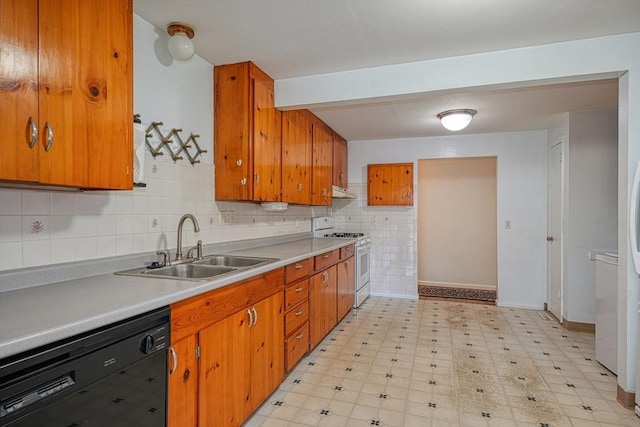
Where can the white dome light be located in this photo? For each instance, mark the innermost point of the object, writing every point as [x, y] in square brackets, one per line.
[180, 44]
[455, 120]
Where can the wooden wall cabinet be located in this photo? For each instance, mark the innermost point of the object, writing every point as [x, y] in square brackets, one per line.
[390, 184]
[322, 160]
[340, 161]
[297, 140]
[230, 354]
[247, 135]
[66, 92]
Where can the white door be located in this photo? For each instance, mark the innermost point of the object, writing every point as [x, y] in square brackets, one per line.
[554, 234]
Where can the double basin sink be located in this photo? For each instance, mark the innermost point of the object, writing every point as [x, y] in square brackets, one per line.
[206, 268]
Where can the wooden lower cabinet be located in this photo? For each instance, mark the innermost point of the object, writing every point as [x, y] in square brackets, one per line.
[346, 286]
[322, 304]
[241, 363]
[183, 383]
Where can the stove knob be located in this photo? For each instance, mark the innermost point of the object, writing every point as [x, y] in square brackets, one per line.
[147, 344]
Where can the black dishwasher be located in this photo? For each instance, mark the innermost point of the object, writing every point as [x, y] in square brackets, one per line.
[112, 376]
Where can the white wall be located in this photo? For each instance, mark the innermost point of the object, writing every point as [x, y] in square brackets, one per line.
[591, 221]
[46, 227]
[521, 199]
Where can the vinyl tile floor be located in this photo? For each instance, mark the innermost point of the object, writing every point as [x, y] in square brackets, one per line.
[405, 363]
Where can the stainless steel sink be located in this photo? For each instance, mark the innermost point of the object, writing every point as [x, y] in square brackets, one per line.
[234, 261]
[206, 268]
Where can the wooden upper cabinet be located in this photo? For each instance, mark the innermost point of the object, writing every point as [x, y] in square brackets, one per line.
[340, 165]
[247, 141]
[322, 170]
[67, 93]
[390, 184]
[297, 131]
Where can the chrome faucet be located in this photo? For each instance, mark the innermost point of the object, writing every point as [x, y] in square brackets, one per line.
[196, 228]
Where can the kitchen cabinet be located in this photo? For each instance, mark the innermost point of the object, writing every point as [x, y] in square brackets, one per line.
[323, 297]
[66, 86]
[296, 322]
[233, 336]
[390, 184]
[183, 383]
[346, 281]
[297, 140]
[242, 362]
[322, 159]
[247, 135]
[340, 161]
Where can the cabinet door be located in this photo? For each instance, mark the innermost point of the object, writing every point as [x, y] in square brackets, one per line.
[340, 161]
[346, 286]
[296, 157]
[266, 350]
[19, 90]
[390, 184]
[322, 304]
[86, 93]
[232, 134]
[183, 384]
[322, 173]
[224, 371]
[267, 147]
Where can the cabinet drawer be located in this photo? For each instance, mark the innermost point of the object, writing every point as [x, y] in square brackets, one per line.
[326, 260]
[297, 270]
[347, 251]
[296, 346]
[296, 317]
[296, 293]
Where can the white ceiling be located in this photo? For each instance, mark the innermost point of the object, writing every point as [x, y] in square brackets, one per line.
[288, 38]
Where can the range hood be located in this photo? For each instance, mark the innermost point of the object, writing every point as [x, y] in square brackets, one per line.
[342, 193]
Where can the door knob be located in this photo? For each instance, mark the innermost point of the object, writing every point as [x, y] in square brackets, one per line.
[549, 238]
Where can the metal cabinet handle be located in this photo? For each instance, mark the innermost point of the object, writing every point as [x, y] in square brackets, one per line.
[300, 335]
[299, 186]
[324, 192]
[298, 266]
[325, 256]
[174, 356]
[243, 181]
[250, 317]
[255, 316]
[298, 289]
[33, 138]
[325, 277]
[257, 178]
[239, 162]
[49, 129]
[299, 313]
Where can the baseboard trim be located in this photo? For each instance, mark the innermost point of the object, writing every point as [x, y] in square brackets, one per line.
[625, 398]
[458, 285]
[579, 326]
[390, 295]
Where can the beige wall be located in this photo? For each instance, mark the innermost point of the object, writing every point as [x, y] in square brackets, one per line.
[457, 211]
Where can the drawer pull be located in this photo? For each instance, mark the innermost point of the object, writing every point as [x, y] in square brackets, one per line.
[298, 289]
[299, 313]
[325, 256]
[299, 266]
[300, 335]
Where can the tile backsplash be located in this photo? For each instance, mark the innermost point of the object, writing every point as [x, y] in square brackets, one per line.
[49, 227]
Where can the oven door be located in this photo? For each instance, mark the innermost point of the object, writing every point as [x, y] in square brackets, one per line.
[363, 266]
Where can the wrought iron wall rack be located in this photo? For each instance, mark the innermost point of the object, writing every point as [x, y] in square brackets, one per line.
[165, 142]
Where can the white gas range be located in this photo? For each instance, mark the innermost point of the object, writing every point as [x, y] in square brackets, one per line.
[324, 226]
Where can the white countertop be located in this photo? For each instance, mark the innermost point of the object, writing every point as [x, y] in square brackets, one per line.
[40, 315]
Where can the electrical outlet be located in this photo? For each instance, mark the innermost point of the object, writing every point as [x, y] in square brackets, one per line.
[226, 217]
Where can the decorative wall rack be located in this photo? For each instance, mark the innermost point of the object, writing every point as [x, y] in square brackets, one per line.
[154, 133]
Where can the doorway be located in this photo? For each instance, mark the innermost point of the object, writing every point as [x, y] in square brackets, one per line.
[554, 234]
[457, 228]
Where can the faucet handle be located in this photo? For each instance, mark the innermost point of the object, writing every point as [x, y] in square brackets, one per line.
[166, 258]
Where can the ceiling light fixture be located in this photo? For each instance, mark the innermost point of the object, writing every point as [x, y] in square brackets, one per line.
[180, 44]
[455, 120]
